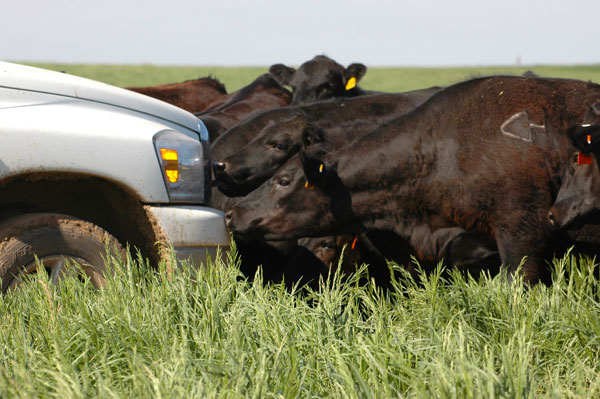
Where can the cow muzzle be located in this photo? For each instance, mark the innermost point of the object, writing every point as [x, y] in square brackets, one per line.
[560, 216]
[228, 219]
[237, 223]
[219, 167]
[551, 218]
[224, 182]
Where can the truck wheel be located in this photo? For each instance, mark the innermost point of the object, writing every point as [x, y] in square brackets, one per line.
[57, 240]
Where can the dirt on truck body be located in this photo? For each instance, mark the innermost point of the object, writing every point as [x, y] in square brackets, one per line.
[103, 203]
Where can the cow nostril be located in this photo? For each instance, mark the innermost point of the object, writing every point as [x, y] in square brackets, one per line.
[228, 215]
[551, 218]
[219, 166]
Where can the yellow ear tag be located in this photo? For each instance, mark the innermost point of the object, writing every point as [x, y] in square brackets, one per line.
[351, 83]
[309, 186]
[321, 168]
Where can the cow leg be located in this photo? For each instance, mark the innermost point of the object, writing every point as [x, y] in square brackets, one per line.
[519, 251]
[473, 252]
[459, 248]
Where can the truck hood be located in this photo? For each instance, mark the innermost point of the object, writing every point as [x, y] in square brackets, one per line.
[21, 77]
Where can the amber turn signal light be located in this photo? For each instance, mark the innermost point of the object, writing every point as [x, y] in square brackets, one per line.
[171, 163]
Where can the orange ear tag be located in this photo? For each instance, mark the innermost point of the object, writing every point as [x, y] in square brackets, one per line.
[354, 243]
[309, 186]
[583, 159]
[351, 83]
[589, 139]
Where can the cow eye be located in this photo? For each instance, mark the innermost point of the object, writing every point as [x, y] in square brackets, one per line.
[284, 182]
[329, 245]
[280, 146]
[324, 90]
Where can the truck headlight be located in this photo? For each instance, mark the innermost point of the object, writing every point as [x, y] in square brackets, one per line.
[182, 162]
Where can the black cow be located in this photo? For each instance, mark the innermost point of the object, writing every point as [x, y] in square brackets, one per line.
[263, 93]
[341, 120]
[192, 95]
[276, 137]
[485, 157]
[285, 126]
[273, 256]
[319, 79]
[466, 251]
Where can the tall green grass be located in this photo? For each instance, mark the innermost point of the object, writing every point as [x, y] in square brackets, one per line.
[377, 78]
[212, 334]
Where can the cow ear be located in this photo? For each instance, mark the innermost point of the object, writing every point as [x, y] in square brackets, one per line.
[312, 135]
[282, 74]
[586, 138]
[529, 74]
[317, 172]
[314, 147]
[353, 74]
[592, 115]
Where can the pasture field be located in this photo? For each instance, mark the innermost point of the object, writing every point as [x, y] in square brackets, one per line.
[212, 334]
[380, 79]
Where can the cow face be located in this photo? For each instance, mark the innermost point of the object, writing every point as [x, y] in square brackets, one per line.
[319, 79]
[289, 206]
[316, 257]
[329, 249]
[579, 195]
[248, 168]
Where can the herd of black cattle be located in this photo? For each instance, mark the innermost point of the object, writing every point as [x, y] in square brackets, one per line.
[500, 170]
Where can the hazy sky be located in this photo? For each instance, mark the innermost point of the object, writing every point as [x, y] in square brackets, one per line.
[264, 32]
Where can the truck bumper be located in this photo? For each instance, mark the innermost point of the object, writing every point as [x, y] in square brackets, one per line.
[195, 232]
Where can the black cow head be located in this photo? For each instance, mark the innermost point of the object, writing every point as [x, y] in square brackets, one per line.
[578, 198]
[316, 258]
[586, 138]
[251, 165]
[281, 208]
[330, 249]
[319, 79]
[291, 205]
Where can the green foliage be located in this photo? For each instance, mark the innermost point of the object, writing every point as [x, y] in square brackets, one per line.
[380, 79]
[208, 332]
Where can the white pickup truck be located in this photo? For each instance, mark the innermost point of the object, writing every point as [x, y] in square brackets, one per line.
[83, 164]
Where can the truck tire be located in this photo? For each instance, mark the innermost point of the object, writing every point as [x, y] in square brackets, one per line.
[56, 240]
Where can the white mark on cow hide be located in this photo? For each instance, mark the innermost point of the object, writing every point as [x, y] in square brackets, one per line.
[520, 127]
